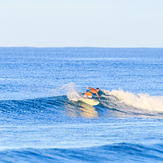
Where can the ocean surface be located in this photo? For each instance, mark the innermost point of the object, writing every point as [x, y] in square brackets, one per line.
[41, 119]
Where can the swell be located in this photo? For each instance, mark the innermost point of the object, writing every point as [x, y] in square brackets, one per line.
[121, 152]
[42, 110]
[32, 105]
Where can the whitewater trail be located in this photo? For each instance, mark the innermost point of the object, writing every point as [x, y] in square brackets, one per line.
[140, 101]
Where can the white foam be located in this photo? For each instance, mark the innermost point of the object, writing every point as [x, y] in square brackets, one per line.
[140, 101]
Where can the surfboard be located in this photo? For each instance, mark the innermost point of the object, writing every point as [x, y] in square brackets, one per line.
[89, 101]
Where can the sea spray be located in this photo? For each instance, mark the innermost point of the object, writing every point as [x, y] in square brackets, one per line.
[72, 93]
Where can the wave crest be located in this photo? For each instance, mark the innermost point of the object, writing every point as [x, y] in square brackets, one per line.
[140, 101]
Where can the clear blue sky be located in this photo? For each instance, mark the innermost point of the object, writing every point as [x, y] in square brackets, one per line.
[94, 23]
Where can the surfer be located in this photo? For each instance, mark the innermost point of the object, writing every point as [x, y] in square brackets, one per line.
[90, 91]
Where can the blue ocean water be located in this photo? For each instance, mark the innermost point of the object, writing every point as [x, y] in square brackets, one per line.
[41, 119]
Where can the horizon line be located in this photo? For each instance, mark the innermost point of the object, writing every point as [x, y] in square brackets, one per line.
[75, 47]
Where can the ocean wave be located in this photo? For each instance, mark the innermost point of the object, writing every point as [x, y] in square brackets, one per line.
[120, 152]
[113, 103]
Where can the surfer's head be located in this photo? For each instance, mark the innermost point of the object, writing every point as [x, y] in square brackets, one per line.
[97, 89]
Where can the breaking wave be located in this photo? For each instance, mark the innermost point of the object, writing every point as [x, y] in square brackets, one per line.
[139, 101]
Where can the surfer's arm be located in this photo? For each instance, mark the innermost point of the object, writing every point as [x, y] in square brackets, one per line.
[97, 95]
[90, 88]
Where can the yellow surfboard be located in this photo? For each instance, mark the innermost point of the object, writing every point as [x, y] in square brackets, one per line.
[89, 101]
